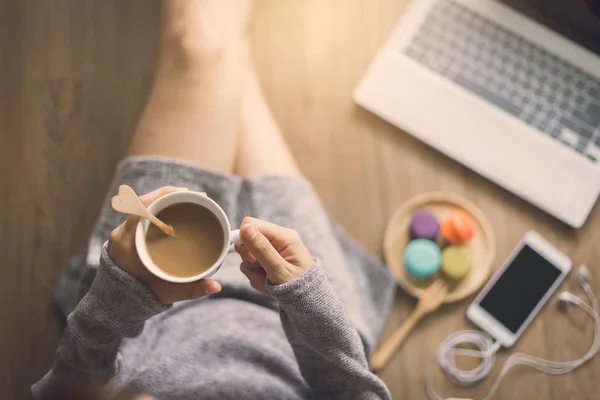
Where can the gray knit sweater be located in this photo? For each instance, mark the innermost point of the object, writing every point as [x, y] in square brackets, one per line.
[216, 348]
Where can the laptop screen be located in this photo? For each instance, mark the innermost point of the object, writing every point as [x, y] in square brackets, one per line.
[578, 20]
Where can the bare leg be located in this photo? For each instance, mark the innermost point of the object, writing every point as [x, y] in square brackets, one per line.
[193, 112]
[262, 148]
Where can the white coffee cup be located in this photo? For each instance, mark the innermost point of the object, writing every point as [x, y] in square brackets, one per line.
[229, 237]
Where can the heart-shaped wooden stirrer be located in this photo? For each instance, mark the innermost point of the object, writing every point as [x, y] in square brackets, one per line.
[128, 202]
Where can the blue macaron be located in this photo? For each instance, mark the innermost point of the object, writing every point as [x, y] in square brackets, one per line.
[422, 258]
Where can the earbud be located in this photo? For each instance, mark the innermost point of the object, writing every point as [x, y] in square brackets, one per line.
[449, 348]
[583, 278]
[583, 275]
[564, 299]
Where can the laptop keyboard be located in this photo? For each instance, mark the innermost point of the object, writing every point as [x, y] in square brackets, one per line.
[537, 87]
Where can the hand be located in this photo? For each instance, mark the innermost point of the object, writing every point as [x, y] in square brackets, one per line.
[269, 250]
[122, 250]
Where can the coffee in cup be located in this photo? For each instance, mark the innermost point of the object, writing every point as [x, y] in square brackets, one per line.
[203, 237]
[197, 243]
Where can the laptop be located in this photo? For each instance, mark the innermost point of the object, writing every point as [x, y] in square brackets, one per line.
[510, 89]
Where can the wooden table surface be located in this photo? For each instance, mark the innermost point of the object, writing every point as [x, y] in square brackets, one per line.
[74, 75]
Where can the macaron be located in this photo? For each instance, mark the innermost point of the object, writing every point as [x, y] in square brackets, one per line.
[424, 225]
[422, 258]
[457, 262]
[458, 227]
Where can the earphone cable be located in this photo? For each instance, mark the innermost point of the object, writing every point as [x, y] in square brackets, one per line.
[487, 348]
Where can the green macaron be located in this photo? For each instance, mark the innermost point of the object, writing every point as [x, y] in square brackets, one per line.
[457, 262]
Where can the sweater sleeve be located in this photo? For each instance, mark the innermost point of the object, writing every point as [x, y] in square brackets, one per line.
[326, 344]
[116, 307]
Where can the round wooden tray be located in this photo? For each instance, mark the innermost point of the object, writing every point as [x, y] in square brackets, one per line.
[483, 245]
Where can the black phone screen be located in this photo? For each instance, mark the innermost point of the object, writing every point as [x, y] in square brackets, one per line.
[520, 288]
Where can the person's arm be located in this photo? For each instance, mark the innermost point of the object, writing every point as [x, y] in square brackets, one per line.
[123, 296]
[326, 344]
[116, 307]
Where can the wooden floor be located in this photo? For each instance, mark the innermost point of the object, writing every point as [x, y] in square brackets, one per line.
[73, 78]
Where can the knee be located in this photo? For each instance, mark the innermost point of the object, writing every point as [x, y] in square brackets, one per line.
[186, 51]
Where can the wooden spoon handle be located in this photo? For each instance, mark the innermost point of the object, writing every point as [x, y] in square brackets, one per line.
[163, 227]
[389, 348]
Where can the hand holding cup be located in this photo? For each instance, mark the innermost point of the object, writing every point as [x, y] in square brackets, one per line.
[122, 250]
[273, 252]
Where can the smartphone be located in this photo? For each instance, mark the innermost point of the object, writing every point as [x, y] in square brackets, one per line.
[519, 289]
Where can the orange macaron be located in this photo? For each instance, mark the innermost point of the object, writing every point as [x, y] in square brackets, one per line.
[458, 227]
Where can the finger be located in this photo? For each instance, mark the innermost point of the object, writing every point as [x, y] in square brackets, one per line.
[245, 253]
[121, 239]
[116, 234]
[114, 238]
[151, 197]
[130, 225]
[144, 397]
[260, 247]
[199, 289]
[210, 286]
[279, 236]
[256, 276]
[174, 292]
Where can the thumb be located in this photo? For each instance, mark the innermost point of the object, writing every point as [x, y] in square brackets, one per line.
[260, 247]
[169, 293]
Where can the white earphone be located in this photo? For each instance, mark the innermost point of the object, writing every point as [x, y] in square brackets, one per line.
[487, 348]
